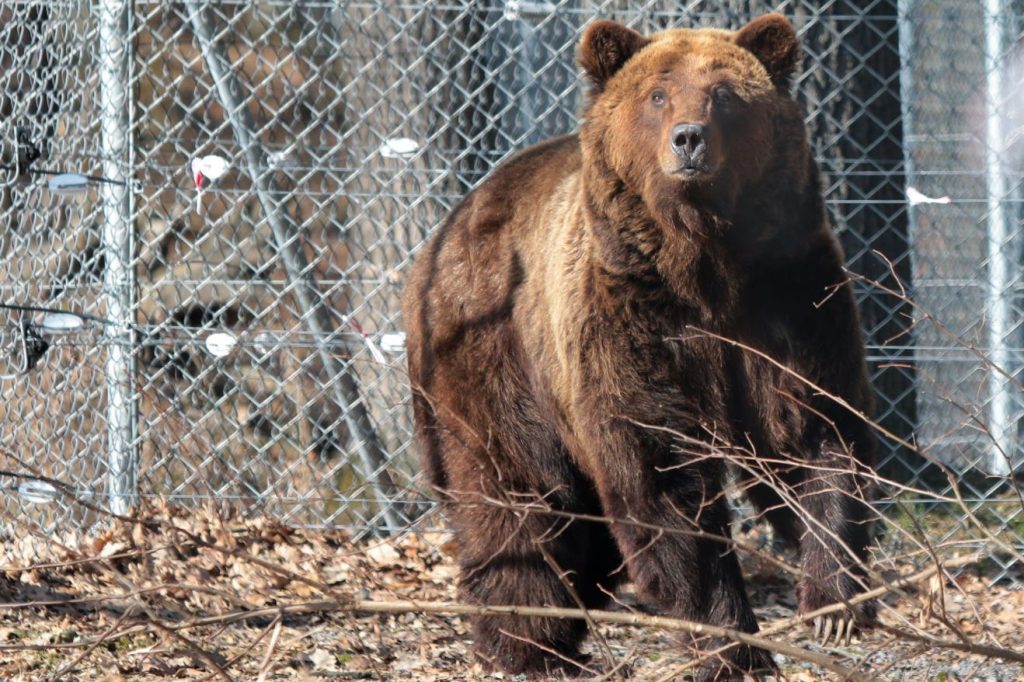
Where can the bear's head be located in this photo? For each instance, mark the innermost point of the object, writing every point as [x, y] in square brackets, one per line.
[688, 112]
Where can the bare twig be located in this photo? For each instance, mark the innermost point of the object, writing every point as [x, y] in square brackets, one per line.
[73, 663]
[265, 664]
[193, 649]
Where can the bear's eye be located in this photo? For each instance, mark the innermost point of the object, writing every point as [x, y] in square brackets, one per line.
[723, 97]
[659, 99]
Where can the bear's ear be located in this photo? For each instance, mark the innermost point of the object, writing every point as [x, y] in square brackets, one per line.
[606, 47]
[772, 39]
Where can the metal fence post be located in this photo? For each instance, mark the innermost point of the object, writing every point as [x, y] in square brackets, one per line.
[116, 242]
[998, 308]
[904, 11]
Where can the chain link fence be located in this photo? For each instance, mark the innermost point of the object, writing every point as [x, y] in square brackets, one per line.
[237, 338]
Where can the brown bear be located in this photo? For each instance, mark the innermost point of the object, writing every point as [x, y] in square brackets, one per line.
[611, 317]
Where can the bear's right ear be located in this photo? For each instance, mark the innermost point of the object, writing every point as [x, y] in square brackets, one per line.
[606, 47]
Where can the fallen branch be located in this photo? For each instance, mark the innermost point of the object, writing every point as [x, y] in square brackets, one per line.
[967, 647]
[456, 609]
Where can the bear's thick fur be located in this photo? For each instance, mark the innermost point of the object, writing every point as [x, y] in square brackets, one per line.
[609, 316]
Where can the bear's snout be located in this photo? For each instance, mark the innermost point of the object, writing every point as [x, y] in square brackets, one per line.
[689, 142]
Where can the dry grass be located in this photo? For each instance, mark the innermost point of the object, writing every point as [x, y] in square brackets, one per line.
[173, 595]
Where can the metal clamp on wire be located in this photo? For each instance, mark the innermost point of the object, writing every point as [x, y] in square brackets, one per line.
[28, 151]
[17, 155]
[26, 350]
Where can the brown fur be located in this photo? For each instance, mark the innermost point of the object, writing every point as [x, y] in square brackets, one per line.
[554, 358]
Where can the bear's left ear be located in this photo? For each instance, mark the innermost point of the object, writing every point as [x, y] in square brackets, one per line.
[772, 39]
[606, 46]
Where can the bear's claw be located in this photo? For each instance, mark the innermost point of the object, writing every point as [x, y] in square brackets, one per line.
[838, 629]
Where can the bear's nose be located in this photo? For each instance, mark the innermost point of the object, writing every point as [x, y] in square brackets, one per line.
[689, 141]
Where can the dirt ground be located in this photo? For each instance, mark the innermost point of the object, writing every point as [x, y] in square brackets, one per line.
[192, 596]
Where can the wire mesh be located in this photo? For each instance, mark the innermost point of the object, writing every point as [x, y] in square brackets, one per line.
[260, 360]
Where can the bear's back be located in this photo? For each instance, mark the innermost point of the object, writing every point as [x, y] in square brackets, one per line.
[474, 264]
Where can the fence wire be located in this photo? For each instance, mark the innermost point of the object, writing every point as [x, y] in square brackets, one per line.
[240, 342]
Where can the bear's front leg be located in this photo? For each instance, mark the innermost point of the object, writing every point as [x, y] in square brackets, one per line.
[670, 520]
[837, 518]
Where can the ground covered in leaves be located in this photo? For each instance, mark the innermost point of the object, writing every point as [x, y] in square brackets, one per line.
[193, 596]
